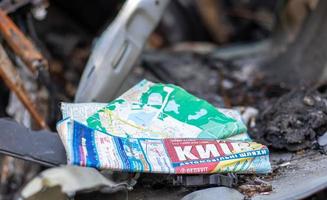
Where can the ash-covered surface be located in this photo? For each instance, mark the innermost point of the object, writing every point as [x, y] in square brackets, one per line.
[301, 176]
[294, 121]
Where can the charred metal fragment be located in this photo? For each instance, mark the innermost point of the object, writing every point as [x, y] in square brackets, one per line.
[11, 78]
[21, 45]
[24, 48]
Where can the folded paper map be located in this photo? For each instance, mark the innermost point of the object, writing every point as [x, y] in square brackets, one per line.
[159, 128]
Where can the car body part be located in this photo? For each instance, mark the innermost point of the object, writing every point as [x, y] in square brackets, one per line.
[228, 180]
[43, 147]
[117, 50]
[304, 176]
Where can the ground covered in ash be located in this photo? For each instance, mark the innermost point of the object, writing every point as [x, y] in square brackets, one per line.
[294, 121]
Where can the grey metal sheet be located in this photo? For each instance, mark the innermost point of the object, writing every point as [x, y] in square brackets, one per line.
[42, 147]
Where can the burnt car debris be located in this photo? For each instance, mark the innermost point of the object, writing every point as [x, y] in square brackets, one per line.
[159, 99]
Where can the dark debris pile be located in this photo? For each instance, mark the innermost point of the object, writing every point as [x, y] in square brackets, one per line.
[294, 121]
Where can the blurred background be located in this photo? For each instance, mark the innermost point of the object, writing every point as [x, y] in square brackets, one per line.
[229, 52]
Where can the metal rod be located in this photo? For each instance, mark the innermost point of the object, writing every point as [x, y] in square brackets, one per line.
[12, 79]
[20, 44]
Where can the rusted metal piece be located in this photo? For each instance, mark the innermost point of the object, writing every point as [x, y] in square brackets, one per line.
[21, 45]
[12, 79]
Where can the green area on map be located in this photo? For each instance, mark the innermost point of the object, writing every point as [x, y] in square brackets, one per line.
[150, 110]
